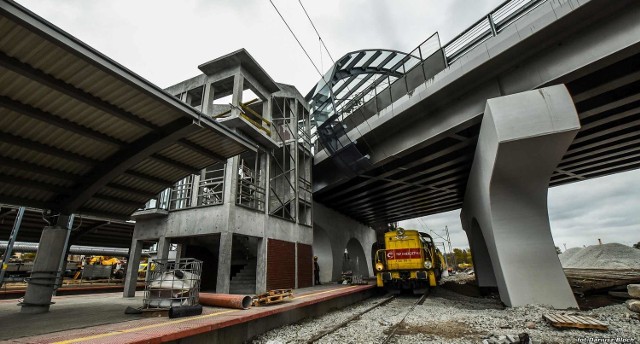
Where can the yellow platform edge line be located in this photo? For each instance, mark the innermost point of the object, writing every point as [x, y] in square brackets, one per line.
[113, 333]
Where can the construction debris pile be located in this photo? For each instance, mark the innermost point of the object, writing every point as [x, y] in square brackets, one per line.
[634, 303]
[606, 256]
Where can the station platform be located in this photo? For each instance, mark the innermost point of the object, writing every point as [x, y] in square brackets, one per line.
[72, 289]
[101, 319]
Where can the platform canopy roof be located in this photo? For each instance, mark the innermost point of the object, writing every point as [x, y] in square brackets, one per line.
[79, 133]
[86, 230]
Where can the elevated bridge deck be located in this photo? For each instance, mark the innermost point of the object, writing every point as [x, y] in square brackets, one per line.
[419, 147]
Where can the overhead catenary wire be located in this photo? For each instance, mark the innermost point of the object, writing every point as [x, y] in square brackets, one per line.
[316, 30]
[296, 38]
[322, 76]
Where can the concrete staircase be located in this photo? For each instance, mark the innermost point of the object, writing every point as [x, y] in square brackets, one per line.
[244, 282]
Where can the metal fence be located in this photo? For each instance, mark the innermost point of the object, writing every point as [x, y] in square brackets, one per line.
[388, 89]
[487, 27]
[211, 188]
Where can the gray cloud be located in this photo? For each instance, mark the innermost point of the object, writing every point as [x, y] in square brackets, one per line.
[164, 41]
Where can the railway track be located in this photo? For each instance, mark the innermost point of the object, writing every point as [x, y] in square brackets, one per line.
[395, 327]
[391, 331]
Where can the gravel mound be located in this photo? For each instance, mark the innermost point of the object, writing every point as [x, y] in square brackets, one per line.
[566, 255]
[607, 256]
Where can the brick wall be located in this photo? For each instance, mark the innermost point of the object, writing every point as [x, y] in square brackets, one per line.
[305, 265]
[280, 264]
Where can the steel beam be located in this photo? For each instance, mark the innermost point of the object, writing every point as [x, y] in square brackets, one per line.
[56, 121]
[117, 200]
[37, 75]
[32, 184]
[173, 163]
[128, 189]
[401, 169]
[79, 233]
[118, 163]
[46, 149]
[147, 178]
[37, 169]
[201, 150]
[12, 240]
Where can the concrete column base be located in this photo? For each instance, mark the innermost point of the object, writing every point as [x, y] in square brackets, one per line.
[37, 298]
[522, 139]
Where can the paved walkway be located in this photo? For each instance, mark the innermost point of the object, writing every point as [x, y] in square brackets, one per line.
[101, 318]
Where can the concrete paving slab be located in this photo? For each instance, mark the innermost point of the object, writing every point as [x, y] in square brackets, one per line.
[101, 318]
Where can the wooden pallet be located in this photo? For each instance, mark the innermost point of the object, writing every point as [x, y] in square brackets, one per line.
[575, 321]
[272, 296]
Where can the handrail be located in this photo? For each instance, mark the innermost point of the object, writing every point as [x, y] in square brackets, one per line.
[488, 26]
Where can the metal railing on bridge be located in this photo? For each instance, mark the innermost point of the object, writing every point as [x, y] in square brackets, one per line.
[487, 27]
[366, 99]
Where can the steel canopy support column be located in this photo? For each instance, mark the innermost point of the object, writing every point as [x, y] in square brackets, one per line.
[12, 240]
[522, 139]
[37, 298]
[131, 279]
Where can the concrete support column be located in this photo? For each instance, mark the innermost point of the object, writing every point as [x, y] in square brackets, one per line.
[267, 180]
[207, 99]
[481, 260]
[179, 248]
[266, 109]
[195, 189]
[224, 263]
[37, 298]
[231, 180]
[131, 279]
[261, 266]
[522, 139]
[236, 97]
[164, 245]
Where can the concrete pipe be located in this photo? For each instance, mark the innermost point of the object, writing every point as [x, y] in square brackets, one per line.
[225, 300]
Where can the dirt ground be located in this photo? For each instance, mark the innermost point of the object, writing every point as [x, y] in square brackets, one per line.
[590, 287]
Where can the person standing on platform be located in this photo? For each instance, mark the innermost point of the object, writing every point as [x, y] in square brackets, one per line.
[316, 271]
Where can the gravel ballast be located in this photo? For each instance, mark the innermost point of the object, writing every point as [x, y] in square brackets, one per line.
[450, 318]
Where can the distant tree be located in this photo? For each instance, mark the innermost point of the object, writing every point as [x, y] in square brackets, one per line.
[460, 255]
[558, 250]
[637, 245]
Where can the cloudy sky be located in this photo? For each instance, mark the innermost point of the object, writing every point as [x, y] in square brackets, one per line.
[165, 41]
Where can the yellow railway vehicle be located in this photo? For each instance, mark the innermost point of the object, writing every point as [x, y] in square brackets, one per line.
[409, 261]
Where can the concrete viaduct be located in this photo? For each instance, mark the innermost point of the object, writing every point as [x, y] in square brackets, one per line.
[520, 102]
[536, 94]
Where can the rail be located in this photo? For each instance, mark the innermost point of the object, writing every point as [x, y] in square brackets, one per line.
[211, 190]
[181, 194]
[489, 26]
[250, 194]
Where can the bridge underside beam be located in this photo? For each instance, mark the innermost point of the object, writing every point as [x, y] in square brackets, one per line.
[522, 139]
